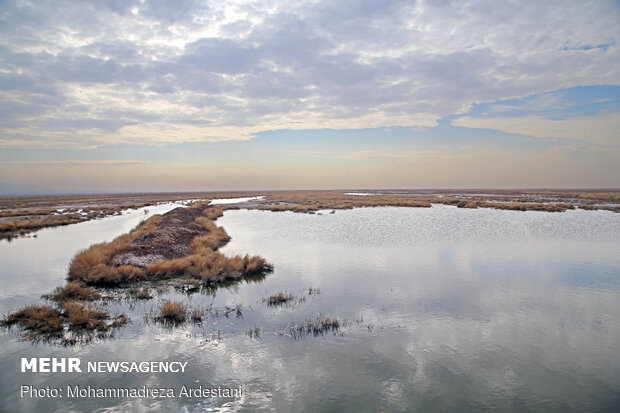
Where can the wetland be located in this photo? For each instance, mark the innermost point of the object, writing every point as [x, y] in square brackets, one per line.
[390, 308]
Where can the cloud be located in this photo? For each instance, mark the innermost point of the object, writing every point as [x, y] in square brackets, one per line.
[94, 73]
[594, 129]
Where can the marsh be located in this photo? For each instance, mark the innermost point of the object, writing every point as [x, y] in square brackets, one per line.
[438, 308]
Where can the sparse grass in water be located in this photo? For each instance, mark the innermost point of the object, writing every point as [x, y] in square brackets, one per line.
[279, 299]
[317, 327]
[197, 316]
[314, 291]
[254, 332]
[236, 309]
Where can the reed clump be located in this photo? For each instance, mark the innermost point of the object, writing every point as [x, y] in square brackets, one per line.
[72, 322]
[215, 238]
[39, 321]
[172, 312]
[214, 213]
[209, 266]
[71, 291]
[83, 317]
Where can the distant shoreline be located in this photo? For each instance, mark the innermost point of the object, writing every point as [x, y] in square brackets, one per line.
[24, 214]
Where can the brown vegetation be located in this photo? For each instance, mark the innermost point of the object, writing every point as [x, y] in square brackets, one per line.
[181, 243]
[73, 291]
[38, 321]
[103, 200]
[184, 242]
[172, 312]
[92, 264]
[543, 200]
[209, 266]
[214, 238]
[308, 202]
[25, 221]
[73, 322]
[89, 206]
[12, 227]
[82, 316]
[140, 293]
[24, 214]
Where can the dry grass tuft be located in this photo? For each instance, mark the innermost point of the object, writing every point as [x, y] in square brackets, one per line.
[74, 322]
[214, 213]
[172, 312]
[73, 291]
[42, 321]
[130, 272]
[209, 266]
[215, 237]
[168, 268]
[91, 264]
[82, 316]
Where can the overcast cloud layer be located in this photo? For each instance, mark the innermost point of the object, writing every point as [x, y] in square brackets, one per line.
[83, 74]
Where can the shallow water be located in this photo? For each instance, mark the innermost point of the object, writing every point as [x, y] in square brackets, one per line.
[441, 309]
[38, 263]
[222, 201]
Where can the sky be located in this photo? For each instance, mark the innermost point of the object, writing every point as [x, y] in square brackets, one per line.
[183, 95]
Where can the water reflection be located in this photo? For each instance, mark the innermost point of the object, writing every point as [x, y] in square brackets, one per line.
[439, 309]
[223, 201]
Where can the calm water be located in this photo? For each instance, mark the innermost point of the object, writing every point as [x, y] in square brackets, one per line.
[442, 309]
